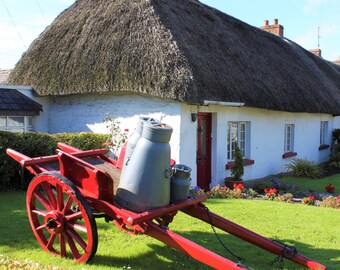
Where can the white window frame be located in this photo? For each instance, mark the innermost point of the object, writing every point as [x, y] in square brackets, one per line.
[26, 127]
[238, 133]
[324, 133]
[289, 138]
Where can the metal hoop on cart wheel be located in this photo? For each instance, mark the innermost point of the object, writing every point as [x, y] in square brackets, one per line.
[60, 217]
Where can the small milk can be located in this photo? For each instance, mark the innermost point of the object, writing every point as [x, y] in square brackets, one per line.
[145, 179]
[180, 182]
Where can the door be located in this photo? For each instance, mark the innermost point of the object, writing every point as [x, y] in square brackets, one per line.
[203, 155]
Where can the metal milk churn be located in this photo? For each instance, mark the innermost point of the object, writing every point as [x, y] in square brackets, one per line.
[145, 179]
[180, 182]
[132, 141]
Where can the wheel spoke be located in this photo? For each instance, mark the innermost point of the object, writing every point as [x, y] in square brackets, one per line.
[77, 237]
[73, 247]
[39, 212]
[50, 195]
[78, 227]
[74, 216]
[42, 200]
[51, 241]
[60, 197]
[62, 245]
[41, 227]
[68, 205]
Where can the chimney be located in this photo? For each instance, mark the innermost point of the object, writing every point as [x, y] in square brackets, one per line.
[275, 28]
[317, 52]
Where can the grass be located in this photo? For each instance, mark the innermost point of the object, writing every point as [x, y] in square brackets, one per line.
[316, 185]
[314, 231]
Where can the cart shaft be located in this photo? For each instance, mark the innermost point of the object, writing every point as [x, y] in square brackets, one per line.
[201, 212]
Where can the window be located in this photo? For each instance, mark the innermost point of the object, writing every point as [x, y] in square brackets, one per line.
[16, 123]
[323, 132]
[238, 134]
[289, 138]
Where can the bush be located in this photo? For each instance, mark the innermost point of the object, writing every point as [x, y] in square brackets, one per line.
[83, 140]
[237, 170]
[32, 144]
[304, 168]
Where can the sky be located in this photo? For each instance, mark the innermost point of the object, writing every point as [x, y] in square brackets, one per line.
[306, 22]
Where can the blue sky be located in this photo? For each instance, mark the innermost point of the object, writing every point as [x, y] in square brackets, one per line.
[21, 21]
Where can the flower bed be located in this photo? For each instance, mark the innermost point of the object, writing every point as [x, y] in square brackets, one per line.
[278, 191]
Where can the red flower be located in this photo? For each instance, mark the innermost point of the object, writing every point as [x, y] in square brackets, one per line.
[311, 198]
[238, 186]
[338, 199]
[329, 188]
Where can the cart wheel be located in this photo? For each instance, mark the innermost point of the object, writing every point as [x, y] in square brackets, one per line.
[61, 218]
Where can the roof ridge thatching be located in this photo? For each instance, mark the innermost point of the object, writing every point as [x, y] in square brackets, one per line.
[177, 49]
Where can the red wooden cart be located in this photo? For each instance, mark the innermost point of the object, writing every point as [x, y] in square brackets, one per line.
[74, 187]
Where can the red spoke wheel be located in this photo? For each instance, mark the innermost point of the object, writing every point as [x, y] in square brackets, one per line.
[61, 218]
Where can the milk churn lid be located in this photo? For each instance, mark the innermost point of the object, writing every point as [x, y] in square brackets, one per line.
[141, 121]
[157, 132]
[182, 168]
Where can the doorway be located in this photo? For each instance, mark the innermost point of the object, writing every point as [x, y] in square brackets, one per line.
[203, 153]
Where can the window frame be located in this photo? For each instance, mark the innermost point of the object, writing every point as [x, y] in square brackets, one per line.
[289, 136]
[323, 133]
[242, 131]
[26, 127]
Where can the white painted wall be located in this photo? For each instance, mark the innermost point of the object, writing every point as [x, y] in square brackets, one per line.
[87, 113]
[267, 139]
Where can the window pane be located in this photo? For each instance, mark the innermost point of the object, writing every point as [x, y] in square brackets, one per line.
[30, 121]
[228, 142]
[3, 121]
[237, 137]
[289, 138]
[323, 132]
[16, 121]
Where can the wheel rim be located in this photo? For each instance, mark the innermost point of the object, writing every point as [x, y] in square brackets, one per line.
[61, 218]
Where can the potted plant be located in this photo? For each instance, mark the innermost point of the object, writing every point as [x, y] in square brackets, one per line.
[236, 171]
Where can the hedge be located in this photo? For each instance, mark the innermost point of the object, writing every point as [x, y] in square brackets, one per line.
[32, 144]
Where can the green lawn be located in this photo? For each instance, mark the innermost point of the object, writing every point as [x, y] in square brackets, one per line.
[317, 185]
[314, 231]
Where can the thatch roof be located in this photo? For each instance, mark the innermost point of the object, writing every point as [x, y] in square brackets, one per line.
[177, 49]
[4, 73]
[12, 102]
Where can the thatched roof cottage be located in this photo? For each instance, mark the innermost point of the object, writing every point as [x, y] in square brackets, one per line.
[182, 60]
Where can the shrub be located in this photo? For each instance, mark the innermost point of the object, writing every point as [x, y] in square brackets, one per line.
[32, 144]
[304, 168]
[83, 140]
[237, 170]
[336, 136]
